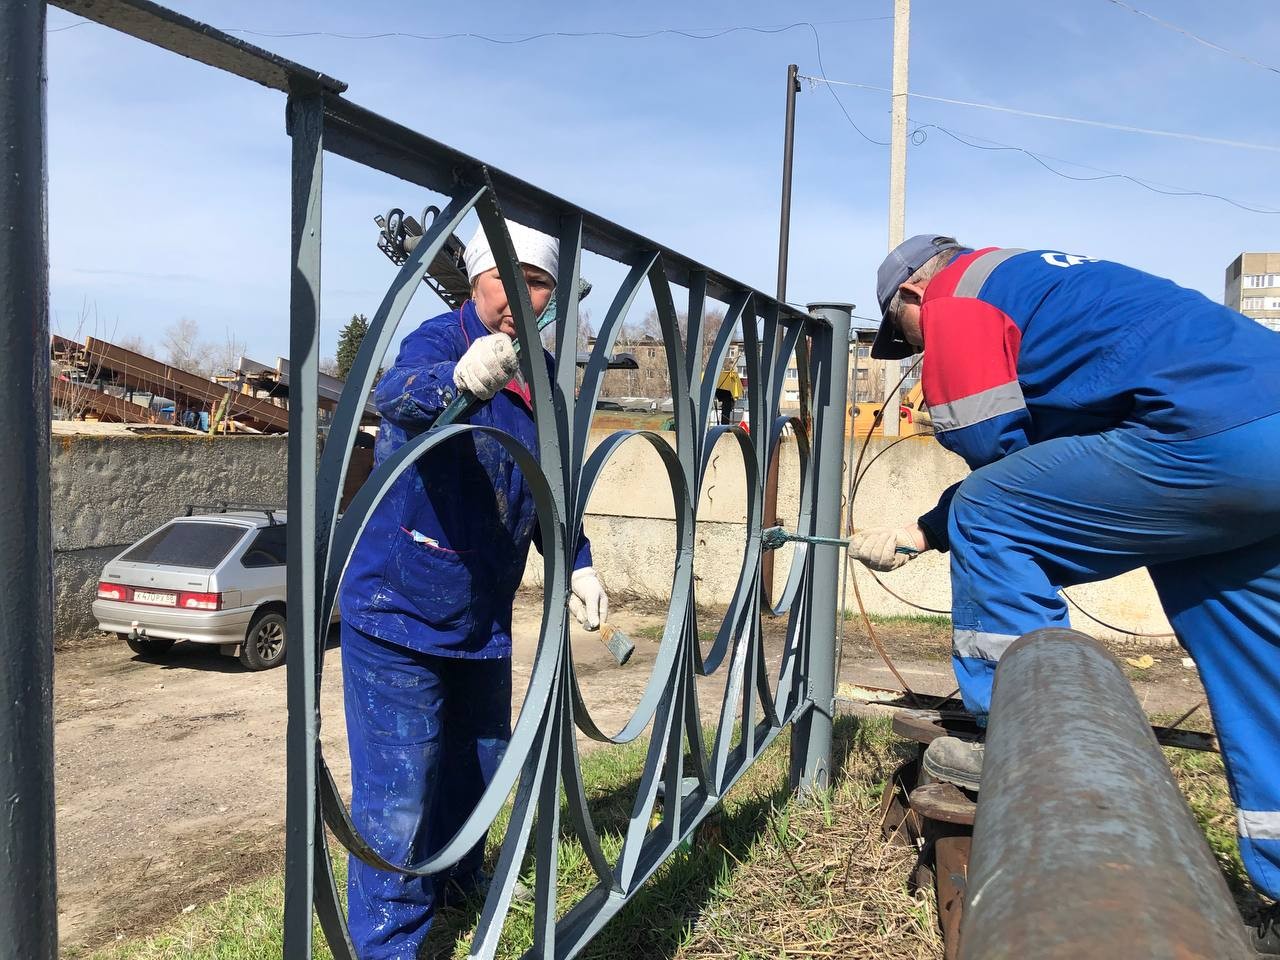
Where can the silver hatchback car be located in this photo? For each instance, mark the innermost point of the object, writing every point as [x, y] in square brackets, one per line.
[213, 577]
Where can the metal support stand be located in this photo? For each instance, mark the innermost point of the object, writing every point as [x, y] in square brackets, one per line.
[811, 734]
[28, 901]
[306, 125]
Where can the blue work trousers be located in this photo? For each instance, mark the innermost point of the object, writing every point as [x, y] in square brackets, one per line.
[426, 734]
[1202, 515]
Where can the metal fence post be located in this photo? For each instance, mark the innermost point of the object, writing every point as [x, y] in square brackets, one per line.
[811, 735]
[306, 126]
[28, 901]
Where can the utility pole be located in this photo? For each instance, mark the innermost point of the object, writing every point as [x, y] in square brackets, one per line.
[897, 182]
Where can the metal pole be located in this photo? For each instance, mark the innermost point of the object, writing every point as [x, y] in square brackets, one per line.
[28, 897]
[811, 735]
[1083, 846]
[788, 147]
[802, 374]
[306, 125]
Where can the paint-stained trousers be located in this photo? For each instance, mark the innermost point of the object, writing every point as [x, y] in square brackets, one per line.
[1202, 515]
[426, 734]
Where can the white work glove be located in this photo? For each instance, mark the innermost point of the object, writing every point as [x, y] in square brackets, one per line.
[588, 603]
[878, 547]
[487, 366]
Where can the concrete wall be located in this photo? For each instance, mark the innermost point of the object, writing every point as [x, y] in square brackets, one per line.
[111, 486]
[630, 522]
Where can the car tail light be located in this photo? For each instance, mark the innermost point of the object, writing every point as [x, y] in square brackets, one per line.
[200, 601]
[114, 591]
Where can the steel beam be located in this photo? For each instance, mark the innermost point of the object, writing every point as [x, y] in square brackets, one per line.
[190, 38]
[28, 902]
[811, 734]
[1083, 846]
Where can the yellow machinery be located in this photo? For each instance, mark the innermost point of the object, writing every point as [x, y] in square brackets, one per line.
[913, 416]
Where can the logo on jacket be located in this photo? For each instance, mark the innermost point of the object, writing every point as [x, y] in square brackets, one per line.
[1066, 259]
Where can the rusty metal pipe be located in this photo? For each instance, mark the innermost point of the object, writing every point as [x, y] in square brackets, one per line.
[1083, 846]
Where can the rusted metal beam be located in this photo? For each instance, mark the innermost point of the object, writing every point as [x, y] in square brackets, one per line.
[142, 372]
[75, 397]
[1083, 846]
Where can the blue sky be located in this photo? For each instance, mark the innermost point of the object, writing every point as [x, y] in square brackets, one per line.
[169, 182]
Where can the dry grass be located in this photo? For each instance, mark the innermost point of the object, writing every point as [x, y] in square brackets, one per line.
[768, 876]
[819, 880]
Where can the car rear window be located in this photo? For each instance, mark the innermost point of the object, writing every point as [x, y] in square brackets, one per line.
[188, 544]
[268, 547]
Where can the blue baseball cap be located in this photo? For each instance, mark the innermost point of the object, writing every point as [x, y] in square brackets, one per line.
[903, 260]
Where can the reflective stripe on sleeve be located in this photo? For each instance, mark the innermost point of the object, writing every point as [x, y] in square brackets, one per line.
[977, 407]
[1259, 824]
[977, 645]
[977, 272]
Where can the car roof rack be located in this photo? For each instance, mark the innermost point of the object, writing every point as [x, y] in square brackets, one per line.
[222, 506]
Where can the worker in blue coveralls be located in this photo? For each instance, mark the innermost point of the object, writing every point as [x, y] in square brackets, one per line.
[427, 600]
[1112, 420]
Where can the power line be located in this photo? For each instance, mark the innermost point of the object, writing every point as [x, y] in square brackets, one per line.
[817, 45]
[506, 39]
[1154, 186]
[1000, 108]
[919, 135]
[1244, 57]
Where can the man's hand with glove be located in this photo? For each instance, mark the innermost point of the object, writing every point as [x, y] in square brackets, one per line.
[588, 603]
[878, 547]
[487, 366]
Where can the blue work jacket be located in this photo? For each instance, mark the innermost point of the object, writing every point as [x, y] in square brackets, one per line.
[1028, 345]
[439, 562]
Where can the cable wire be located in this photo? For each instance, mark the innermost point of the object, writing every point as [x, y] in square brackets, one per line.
[1062, 118]
[919, 135]
[511, 39]
[1244, 57]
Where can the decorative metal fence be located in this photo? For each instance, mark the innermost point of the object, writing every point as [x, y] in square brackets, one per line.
[542, 763]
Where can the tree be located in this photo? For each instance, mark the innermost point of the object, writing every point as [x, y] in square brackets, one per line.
[349, 340]
[181, 344]
[185, 350]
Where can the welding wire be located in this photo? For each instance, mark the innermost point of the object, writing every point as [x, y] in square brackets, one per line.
[857, 592]
[1103, 623]
[885, 587]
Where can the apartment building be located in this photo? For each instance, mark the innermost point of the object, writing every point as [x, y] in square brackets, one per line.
[1253, 287]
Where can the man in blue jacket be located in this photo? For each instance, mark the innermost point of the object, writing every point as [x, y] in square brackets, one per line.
[1112, 420]
[427, 599]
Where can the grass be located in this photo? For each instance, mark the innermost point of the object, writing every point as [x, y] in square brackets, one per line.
[767, 876]
[930, 620]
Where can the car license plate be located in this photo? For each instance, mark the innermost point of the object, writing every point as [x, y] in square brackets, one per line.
[156, 597]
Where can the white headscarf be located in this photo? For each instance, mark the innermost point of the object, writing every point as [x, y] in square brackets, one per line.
[532, 248]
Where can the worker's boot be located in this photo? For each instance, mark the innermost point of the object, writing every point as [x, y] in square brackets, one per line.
[955, 761]
[1264, 933]
[475, 886]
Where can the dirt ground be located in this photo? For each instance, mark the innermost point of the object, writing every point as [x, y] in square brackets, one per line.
[171, 775]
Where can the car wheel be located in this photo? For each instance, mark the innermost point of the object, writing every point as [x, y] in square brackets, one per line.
[264, 643]
[147, 646]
